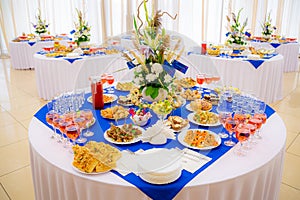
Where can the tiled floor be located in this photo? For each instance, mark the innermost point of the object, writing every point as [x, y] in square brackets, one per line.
[19, 101]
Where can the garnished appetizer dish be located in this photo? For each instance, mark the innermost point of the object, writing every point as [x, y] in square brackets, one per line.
[116, 112]
[126, 133]
[177, 123]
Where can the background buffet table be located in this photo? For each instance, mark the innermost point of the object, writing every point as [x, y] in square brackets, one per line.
[57, 75]
[289, 51]
[265, 82]
[255, 176]
[21, 53]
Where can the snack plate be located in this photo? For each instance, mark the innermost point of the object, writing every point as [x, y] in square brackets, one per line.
[182, 129]
[181, 136]
[135, 140]
[123, 83]
[191, 119]
[90, 100]
[92, 173]
[189, 85]
[188, 107]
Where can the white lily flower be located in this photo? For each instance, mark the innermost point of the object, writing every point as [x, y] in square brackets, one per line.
[157, 68]
[168, 78]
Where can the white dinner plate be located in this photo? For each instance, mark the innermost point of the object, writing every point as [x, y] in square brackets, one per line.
[135, 140]
[92, 173]
[190, 117]
[115, 97]
[188, 107]
[183, 134]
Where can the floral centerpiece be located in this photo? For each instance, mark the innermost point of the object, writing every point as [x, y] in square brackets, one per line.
[237, 34]
[41, 25]
[152, 59]
[82, 33]
[267, 28]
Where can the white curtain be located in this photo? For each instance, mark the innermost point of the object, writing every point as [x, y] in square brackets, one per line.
[200, 20]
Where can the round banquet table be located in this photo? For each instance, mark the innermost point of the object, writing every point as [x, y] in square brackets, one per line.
[255, 176]
[21, 53]
[290, 52]
[57, 75]
[264, 82]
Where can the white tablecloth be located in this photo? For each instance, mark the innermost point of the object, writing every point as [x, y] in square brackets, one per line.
[264, 82]
[256, 176]
[56, 75]
[21, 53]
[290, 52]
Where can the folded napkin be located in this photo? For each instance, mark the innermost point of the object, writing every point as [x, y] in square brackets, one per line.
[190, 160]
[31, 43]
[71, 60]
[256, 63]
[275, 45]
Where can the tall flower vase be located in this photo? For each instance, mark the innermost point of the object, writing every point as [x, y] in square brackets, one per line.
[162, 95]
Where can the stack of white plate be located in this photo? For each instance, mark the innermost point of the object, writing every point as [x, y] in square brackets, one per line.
[155, 170]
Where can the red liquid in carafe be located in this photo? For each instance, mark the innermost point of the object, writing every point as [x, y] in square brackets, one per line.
[97, 95]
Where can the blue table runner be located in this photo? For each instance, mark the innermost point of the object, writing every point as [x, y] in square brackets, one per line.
[157, 192]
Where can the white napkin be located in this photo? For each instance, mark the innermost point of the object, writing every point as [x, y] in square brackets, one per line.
[158, 134]
[190, 161]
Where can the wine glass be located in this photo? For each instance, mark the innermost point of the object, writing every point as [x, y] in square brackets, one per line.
[89, 117]
[222, 117]
[110, 80]
[242, 135]
[72, 132]
[49, 118]
[81, 123]
[63, 123]
[230, 126]
[200, 80]
[55, 124]
[258, 123]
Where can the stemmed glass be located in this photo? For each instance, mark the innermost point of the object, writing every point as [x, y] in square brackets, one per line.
[110, 80]
[63, 123]
[56, 126]
[258, 123]
[81, 123]
[230, 126]
[50, 116]
[200, 80]
[222, 117]
[242, 135]
[88, 115]
[72, 132]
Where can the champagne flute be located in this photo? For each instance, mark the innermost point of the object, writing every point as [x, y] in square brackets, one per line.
[230, 126]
